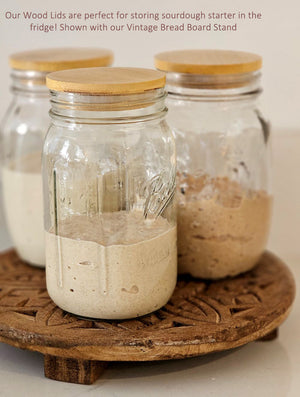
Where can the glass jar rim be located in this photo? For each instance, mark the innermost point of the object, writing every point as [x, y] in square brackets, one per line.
[90, 102]
[29, 82]
[213, 86]
[212, 81]
[107, 109]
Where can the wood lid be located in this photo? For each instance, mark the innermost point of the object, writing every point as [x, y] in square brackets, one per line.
[105, 81]
[52, 59]
[210, 62]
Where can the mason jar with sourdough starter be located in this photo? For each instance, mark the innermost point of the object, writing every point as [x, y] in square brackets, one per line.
[22, 135]
[223, 153]
[109, 181]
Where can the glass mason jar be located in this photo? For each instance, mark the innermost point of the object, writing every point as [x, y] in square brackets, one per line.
[109, 180]
[22, 136]
[223, 160]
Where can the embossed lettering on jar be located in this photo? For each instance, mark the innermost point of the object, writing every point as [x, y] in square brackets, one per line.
[22, 135]
[223, 153]
[109, 181]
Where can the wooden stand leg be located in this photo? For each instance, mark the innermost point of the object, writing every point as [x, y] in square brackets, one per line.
[71, 370]
[271, 336]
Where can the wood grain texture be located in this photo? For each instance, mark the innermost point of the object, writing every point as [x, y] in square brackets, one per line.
[269, 337]
[71, 370]
[52, 59]
[211, 62]
[106, 81]
[200, 318]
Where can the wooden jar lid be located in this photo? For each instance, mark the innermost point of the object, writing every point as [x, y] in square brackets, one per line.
[106, 81]
[208, 62]
[52, 59]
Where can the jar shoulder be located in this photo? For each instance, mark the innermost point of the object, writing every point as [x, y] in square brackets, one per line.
[201, 117]
[26, 115]
[95, 136]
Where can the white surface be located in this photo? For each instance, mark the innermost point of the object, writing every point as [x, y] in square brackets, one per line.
[258, 369]
[276, 37]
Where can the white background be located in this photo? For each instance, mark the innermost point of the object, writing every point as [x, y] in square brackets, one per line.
[276, 38]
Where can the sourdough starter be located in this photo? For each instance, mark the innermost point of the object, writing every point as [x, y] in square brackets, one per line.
[23, 204]
[222, 229]
[115, 265]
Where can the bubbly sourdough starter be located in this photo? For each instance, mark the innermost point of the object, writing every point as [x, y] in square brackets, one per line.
[222, 231]
[23, 204]
[115, 266]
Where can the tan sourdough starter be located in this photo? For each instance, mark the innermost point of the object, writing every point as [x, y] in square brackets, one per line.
[23, 204]
[222, 231]
[112, 266]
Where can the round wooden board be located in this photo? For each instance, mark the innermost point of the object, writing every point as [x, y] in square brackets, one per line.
[201, 317]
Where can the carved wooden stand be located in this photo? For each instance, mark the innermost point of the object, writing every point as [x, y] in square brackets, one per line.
[201, 317]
